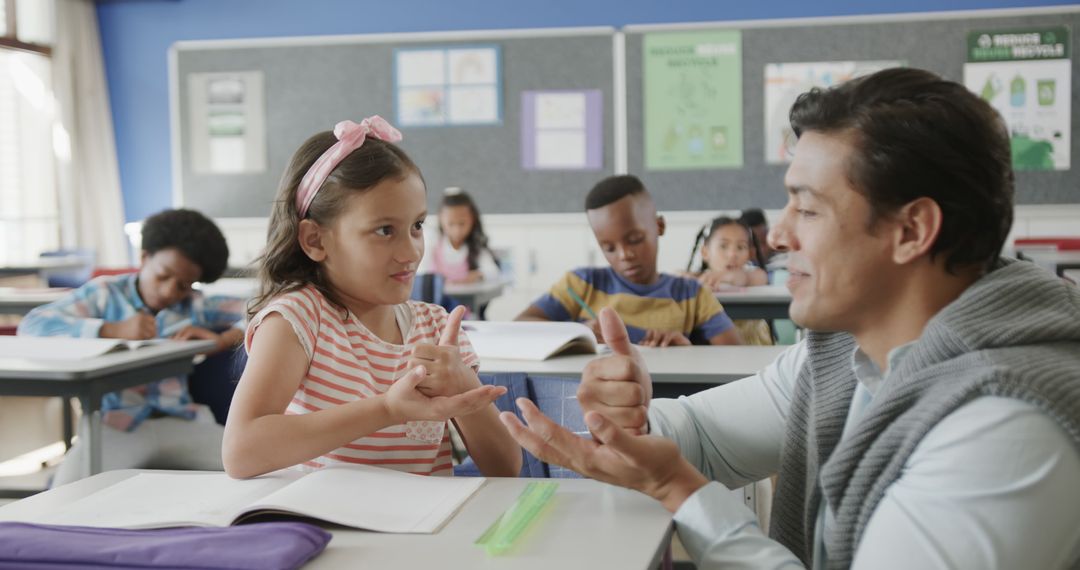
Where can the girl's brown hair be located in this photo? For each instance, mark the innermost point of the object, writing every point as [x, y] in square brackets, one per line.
[283, 266]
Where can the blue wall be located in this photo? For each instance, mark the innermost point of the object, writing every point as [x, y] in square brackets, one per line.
[136, 35]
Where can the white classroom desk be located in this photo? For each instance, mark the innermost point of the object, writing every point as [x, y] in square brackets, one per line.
[587, 525]
[91, 378]
[19, 300]
[675, 370]
[475, 295]
[761, 302]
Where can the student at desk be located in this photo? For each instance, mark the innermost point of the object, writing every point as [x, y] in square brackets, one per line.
[931, 419]
[155, 425]
[461, 253]
[726, 254]
[659, 309]
[342, 367]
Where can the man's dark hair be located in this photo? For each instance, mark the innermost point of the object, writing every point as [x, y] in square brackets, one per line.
[917, 135]
[195, 235]
[612, 189]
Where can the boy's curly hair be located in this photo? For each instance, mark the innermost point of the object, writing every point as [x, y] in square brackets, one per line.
[195, 235]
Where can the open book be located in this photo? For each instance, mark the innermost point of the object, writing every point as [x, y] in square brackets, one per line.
[359, 496]
[529, 340]
[66, 348]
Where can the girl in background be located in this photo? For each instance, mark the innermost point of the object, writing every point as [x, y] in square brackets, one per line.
[342, 366]
[726, 257]
[461, 253]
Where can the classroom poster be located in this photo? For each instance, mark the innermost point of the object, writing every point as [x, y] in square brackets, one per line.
[448, 86]
[693, 100]
[1027, 76]
[562, 130]
[228, 122]
[784, 82]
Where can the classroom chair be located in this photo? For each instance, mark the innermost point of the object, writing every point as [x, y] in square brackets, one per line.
[73, 277]
[428, 287]
[213, 381]
[555, 397]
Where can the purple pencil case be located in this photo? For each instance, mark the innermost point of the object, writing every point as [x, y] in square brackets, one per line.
[256, 546]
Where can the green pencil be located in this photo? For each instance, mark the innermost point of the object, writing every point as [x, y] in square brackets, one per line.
[581, 302]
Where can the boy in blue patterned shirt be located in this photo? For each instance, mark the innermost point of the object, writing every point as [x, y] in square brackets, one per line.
[658, 309]
[155, 425]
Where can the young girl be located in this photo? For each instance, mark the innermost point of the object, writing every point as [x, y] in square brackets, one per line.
[725, 262]
[461, 254]
[342, 368]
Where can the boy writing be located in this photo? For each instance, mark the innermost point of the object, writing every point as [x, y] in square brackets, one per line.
[658, 309]
[155, 425]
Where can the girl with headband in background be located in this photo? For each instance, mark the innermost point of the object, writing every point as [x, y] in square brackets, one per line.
[342, 367]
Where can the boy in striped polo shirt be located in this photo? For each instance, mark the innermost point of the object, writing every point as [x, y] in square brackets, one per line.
[658, 309]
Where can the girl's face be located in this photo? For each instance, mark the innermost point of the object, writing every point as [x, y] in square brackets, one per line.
[372, 249]
[456, 223]
[727, 248]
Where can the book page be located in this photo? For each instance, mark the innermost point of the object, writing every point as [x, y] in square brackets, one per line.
[65, 348]
[157, 500]
[528, 340]
[373, 498]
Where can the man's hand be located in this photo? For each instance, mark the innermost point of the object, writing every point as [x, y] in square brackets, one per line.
[140, 326]
[618, 387]
[650, 464]
[447, 374]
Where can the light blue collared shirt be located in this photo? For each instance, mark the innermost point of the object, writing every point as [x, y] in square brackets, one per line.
[990, 486]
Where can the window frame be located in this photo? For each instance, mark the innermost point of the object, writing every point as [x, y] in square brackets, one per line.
[10, 39]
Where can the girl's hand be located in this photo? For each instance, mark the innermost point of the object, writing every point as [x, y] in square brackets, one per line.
[405, 402]
[474, 276]
[718, 279]
[447, 374]
[664, 338]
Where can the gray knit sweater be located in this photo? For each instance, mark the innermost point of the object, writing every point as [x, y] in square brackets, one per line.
[1014, 333]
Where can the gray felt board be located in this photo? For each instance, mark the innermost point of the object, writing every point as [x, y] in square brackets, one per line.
[309, 87]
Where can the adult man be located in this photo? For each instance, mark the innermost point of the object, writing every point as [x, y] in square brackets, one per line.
[932, 417]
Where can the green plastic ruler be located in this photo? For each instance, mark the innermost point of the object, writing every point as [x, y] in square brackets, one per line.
[500, 536]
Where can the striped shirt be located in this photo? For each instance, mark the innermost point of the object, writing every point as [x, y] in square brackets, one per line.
[116, 298]
[670, 304]
[348, 362]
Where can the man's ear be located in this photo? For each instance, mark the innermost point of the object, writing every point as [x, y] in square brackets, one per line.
[918, 224]
[310, 238]
[661, 225]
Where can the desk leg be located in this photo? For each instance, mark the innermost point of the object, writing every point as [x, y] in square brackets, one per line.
[69, 427]
[91, 428]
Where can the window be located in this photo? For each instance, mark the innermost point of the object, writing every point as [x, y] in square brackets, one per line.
[29, 213]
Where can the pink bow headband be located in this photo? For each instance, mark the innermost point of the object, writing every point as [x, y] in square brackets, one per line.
[350, 137]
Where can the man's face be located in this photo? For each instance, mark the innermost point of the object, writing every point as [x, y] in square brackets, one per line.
[841, 272]
[628, 231]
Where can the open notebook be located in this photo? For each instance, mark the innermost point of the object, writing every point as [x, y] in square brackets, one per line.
[529, 340]
[358, 496]
[66, 348]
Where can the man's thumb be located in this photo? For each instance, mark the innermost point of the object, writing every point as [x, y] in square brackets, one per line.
[615, 332]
